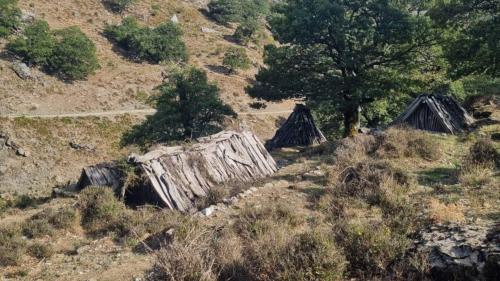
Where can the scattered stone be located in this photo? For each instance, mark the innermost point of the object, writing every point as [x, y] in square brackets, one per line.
[78, 146]
[174, 19]
[22, 152]
[207, 212]
[470, 252]
[22, 70]
[207, 30]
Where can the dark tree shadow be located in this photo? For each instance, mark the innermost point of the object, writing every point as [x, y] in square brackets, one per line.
[446, 176]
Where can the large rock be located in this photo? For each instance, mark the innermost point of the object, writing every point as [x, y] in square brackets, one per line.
[22, 70]
[462, 252]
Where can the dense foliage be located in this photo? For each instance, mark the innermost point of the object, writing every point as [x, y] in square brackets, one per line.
[9, 16]
[236, 58]
[188, 107]
[246, 31]
[347, 54]
[161, 43]
[472, 33]
[67, 53]
[226, 11]
[117, 5]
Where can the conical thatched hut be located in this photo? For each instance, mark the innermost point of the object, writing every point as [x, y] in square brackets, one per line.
[298, 130]
[175, 177]
[436, 113]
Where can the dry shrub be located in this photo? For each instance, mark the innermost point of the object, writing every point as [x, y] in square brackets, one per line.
[100, 209]
[215, 195]
[445, 213]
[370, 248]
[188, 257]
[406, 142]
[37, 227]
[41, 250]
[308, 256]
[12, 246]
[475, 175]
[483, 153]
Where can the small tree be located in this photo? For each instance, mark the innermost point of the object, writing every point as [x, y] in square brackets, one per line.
[246, 31]
[37, 44]
[74, 56]
[9, 17]
[188, 107]
[236, 58]
[155, 45]
[117, 6]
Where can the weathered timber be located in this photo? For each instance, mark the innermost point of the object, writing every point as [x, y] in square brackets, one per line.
[179, 175]
[436, 113]
[104, 174]
[298, 130]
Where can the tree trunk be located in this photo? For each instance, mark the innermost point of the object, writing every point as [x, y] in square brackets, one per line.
[351, 121]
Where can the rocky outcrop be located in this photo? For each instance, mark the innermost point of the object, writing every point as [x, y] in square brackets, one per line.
[462, 252]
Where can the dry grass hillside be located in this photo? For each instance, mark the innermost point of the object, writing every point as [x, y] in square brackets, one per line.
[120, 83]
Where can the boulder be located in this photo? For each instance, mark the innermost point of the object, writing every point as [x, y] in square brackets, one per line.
[22, 70]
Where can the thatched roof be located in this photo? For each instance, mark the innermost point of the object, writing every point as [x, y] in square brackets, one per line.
[179, 175]
[436, 113]
[298, 130]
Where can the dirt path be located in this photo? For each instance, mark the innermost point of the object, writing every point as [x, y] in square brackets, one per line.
[122, 112]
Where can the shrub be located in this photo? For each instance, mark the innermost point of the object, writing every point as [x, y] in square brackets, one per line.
[67, 53]
[188, 107]
[226, 11]
[483, 152]
[162, 43]
[214, 196]
[41, 250]
[74, 56]
[25, 201]
[100, 209]
[12, 246]
[245, 32]
[307, 257]
[63, 218]
[236, 58]
[36, 45]
[370, 248]
[9, 17]
[37, 227]
[117, 5]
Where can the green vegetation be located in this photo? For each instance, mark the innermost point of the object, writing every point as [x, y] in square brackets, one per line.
[336, 54]
[48, 221]
[10, 15]
[236, 58]
[188, 107]
[245, 32]
[117, 6]
[162, 43]
[226, 11]
[66, 53]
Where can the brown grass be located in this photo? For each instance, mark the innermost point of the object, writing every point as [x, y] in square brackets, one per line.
[12, 246]
[445, 213]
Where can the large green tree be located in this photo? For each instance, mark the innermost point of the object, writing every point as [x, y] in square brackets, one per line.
[10, 16]
[346, 54]
[188, 107]
[472, 29]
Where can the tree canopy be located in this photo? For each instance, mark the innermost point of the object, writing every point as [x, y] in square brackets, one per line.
[226, 11]
[9, 16]
[347, 54]
[188, 107]
[472, 29]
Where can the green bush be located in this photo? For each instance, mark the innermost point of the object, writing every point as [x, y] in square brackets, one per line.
[74, 56]
[9, 17]
[162, 43]
[25, 201]
[41, 250]
[117, 5]
[236, 58]
[226, 11]
[36, 45]
[245, 32]
[67, 53]
[100, 209]
[12, 246]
